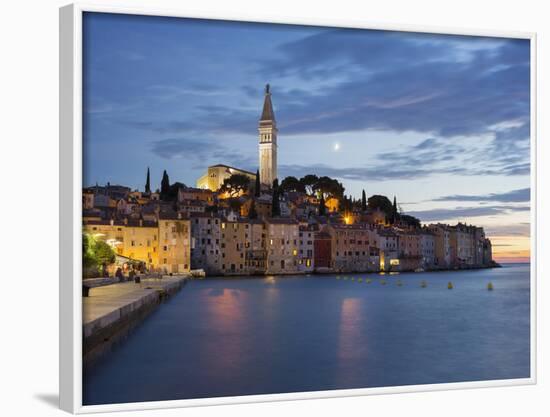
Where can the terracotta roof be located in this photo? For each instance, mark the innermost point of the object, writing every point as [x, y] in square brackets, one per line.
[281, 220]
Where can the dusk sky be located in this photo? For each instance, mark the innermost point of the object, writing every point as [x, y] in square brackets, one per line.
[441, 122]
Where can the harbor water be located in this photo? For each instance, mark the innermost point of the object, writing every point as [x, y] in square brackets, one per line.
[245, 336]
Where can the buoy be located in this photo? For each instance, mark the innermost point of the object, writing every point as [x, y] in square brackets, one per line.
[360, 280]
[368, 281]
[423, 284]
[490, 286]
[399, 283]
[450, 285]
[337, 276]
[383, 281]
[353, 279]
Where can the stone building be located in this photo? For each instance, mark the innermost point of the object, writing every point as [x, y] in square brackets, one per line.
[174, 243]
[206, 243]
[282, 246]
[350, 247]
[306, 236]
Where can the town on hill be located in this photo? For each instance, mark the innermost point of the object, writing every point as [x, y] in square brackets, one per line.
[237, 222]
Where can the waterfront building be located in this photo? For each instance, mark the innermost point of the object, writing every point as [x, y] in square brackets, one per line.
[235, 240]
[442, 242]
[206, 243]
[162, 245]
[350, 247]
[388, 244]
[282, 246]
[322, 251]
[174, 243]
[487, 253]
[256, 253]
[462, 245]
[427, 249]
[135, 239]
[306, 249]
[410, 250]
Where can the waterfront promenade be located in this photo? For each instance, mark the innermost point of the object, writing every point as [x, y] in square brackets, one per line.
[109, 311]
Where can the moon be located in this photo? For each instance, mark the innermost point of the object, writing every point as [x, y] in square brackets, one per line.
[336, 146]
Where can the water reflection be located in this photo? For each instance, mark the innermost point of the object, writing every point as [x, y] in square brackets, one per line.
[351, 343]
[226, 345]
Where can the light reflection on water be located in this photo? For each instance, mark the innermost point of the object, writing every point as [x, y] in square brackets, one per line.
[286, 334]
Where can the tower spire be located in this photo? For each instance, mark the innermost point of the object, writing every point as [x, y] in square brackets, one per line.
[267, 130]
[267, 113]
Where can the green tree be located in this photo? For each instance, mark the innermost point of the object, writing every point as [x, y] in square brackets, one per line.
[292, 184]
[88, 259]
[329, 188]
[235, 185]
[363, 201]
[275, 204]
[257, 186]
[409, 220]
[95, 254]
[380, 202]
[309, 182]
[104, 254]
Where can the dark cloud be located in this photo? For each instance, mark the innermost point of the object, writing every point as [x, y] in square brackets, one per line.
[515, 196]
[201, 152]
[403, 82]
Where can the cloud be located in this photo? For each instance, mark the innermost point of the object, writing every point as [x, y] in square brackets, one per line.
[520, 229]
[464, 212]
[515, 196]
[201, 152]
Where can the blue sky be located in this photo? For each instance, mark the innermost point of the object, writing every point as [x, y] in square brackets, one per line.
[442, 122]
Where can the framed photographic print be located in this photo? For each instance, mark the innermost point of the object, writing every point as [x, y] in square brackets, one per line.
[269, 210]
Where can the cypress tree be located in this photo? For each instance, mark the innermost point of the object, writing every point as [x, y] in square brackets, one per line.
[257, 188]
[394, 210]
[148, 182]
[364, 201]
[252, 213]
[275, 205]
[164, 186]
[322, 207]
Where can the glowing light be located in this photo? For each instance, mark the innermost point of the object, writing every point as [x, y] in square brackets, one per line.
[336, 146]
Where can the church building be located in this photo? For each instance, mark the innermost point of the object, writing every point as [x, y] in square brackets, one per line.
[267, 128]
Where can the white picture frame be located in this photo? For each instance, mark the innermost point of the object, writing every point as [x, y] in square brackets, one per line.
[70, 153]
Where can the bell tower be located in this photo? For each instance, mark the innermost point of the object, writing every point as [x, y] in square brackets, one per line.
[267, 129]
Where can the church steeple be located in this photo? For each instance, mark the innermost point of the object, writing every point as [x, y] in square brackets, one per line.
[267, 113]
[268, 141]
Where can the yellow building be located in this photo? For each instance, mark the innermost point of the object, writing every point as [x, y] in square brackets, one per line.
[163, 246]
[216, 174]
[174, 243]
